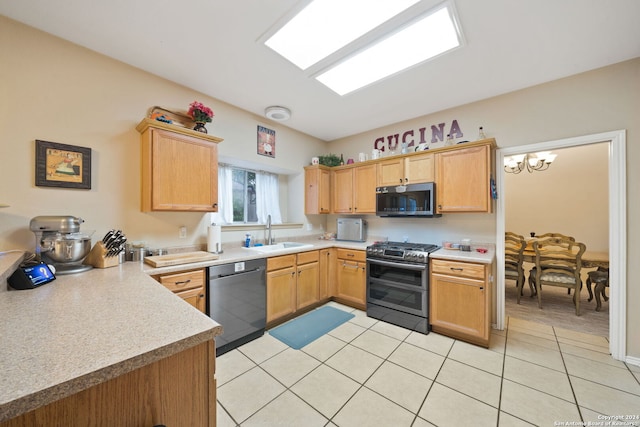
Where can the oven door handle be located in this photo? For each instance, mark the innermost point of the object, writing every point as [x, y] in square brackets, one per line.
[398, 264]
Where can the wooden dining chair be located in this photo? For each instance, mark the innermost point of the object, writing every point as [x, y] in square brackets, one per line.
[547, 235]
[514, 245]
[558, 262]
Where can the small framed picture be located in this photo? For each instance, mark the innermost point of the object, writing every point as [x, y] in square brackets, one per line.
[62, 165]
[266, 142]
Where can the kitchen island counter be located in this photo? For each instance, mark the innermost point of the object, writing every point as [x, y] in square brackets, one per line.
[87, 328]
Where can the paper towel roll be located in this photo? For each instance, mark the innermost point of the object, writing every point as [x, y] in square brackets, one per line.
[214, 239]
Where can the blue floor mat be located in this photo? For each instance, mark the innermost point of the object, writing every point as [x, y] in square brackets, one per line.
[307, 328]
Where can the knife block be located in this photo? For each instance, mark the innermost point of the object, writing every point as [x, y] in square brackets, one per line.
[97, 257]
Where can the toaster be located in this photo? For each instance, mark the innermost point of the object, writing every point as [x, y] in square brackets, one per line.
[351, 229]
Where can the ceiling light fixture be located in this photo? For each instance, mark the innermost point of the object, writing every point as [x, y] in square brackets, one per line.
[531, 162]
[324, 26]
[279, 114]
[426, 38]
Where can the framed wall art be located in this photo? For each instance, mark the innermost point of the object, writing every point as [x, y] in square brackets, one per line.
[62, 165]
[266, 142]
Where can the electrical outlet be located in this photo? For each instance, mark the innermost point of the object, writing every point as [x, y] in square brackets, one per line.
[183, 232]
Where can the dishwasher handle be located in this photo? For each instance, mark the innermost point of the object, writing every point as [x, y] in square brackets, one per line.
[238, 274]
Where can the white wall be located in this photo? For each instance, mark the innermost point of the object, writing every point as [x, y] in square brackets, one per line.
[56, 91]
[570, 197]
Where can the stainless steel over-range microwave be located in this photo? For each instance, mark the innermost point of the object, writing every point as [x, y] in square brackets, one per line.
[411, 200]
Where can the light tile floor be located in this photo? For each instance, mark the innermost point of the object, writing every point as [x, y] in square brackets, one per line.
[370, 373]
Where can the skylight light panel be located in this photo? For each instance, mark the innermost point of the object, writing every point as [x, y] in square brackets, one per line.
[430, 36]
[325, 26]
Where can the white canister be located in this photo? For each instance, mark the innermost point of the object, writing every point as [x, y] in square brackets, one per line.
[315, 160]
[375, 154]
[363, 157]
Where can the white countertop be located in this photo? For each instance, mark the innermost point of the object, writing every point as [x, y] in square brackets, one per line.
[472, 256]
[237, 254]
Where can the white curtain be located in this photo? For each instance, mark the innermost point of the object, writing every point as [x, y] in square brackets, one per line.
[225, 195]
[268, 197]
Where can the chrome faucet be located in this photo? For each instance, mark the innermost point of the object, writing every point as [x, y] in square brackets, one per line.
[269, 239]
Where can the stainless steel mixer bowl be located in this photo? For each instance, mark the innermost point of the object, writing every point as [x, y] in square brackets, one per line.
[67, 250]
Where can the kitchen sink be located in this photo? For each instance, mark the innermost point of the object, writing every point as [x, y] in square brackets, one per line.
[280, 246]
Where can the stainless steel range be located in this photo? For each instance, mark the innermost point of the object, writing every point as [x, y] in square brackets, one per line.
[398, 283]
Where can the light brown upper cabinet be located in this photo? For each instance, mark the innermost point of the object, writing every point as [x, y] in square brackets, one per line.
[317, 195]
[354, 189]
[463, 179]
[179, 168]
[411, 169]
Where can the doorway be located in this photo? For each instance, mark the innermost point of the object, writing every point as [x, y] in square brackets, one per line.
[616, 141]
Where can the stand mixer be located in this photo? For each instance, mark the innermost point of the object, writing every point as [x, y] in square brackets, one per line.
[59, 242]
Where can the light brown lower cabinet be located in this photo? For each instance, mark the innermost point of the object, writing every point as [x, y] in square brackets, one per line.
[326, 267]
[292, 284]
[460, 300]
[351, 271]
[179, 390]
[188, 285]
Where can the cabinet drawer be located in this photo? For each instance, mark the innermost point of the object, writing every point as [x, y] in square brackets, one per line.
[182, 281]
[279, 262]
[307, 257]
[351, 255]
[456, 268]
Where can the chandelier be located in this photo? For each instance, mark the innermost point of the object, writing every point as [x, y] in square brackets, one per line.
[531, 162]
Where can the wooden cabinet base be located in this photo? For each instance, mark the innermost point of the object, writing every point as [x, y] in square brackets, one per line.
[460, 336]
[179, 390]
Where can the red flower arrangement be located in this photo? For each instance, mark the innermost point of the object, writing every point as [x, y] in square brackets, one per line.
[200, 113]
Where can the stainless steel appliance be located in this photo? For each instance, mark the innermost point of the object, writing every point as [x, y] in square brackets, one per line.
[351, 229]
[398, 283]
[412, 200]
[60, 242]
[237, 299]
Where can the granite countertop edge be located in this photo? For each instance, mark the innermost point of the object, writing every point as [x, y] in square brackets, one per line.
[87, 328]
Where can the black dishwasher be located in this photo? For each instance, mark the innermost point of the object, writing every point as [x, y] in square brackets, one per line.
[238, 301]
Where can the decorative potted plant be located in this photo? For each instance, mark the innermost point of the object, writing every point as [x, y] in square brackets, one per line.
[329, 160]
[200, 114]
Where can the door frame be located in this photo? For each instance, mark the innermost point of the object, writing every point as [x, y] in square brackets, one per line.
[617, 229]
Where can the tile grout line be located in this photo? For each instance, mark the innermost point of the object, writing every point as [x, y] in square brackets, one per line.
[504, 361]
[564, 363]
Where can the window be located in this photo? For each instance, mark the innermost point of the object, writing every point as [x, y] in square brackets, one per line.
[247, 196]
[244, 195]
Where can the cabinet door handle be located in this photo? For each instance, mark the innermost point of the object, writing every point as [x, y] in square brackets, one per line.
[293, 273]
[400, 180]
[456, 269]
[215, 205]
[183, 282]
[482, 288]
[344, 264]
[406, 180]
